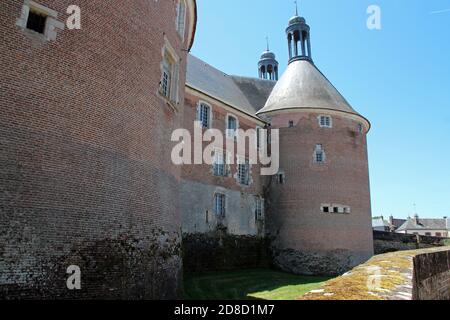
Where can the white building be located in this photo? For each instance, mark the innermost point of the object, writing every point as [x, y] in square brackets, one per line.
[426, 227]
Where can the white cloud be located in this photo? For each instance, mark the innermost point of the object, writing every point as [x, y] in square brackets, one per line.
[440, 11]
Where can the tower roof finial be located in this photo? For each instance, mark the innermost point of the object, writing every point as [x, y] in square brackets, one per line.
[267, 40]
[296, 7]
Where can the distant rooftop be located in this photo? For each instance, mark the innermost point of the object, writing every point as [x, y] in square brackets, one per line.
[424, 224]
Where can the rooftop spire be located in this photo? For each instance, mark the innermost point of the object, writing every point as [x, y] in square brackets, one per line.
[268, 64]
[299, 41]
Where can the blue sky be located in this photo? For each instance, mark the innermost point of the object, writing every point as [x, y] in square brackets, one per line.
[398, 77]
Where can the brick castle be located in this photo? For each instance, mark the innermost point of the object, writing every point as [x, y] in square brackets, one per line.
[87, 178]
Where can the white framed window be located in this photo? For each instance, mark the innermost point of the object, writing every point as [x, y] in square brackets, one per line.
[319, 154]
[336, 209]
[243, 171]
[259, 208]
[169, 84]
[220, 163]
[181, 18]
[325, 122]
[204, 114]
[232, 125]
[220, 204]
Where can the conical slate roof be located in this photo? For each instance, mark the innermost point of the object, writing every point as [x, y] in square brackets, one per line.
[303, 86]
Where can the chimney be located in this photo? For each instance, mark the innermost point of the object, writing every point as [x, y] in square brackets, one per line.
[391, 224]
[391, 220]
[447, 223]
[416, 219]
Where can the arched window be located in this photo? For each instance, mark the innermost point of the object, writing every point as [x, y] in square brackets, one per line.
[181, 18]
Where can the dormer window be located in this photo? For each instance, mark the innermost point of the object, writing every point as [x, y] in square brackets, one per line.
[291, 124]
[325, 122]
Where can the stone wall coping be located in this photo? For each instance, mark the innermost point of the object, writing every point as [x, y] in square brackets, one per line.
[384, 277]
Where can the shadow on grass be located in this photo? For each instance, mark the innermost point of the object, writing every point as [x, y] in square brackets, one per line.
[254, 284]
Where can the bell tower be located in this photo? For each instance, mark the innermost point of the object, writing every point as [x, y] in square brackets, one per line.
[299, 39]
[268, 65]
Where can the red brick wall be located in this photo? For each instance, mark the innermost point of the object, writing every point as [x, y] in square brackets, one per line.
[199, 184]
[202, 173]
[295, 218]
[86, 173]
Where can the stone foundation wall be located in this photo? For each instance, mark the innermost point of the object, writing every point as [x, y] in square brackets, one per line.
[123, 268]
[217, 251]
[329, 263]
[385, 242]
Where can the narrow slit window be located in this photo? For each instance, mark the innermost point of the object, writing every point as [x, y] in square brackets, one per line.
[232, 126]
[319, 154]
[204, 115]
[219, 204]
[281, 178]
[259, 208]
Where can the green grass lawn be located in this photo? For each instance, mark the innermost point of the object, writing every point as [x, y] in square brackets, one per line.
[248, 285]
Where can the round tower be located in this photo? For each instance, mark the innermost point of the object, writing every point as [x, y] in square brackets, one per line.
[268, 65]
[87, 178]
[319, 214]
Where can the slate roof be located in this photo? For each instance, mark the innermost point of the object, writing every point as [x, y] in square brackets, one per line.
[245, 94]
[424, 224]
[303, 86]
[398, 222]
